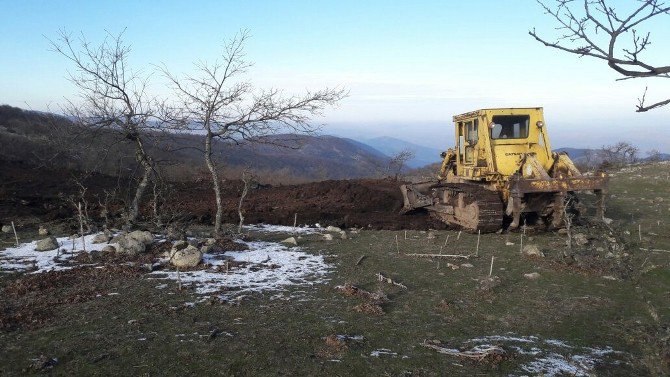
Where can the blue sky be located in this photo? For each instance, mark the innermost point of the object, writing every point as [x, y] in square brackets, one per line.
[409, 66]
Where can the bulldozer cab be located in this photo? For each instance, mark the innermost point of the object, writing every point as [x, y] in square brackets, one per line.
[491, 142]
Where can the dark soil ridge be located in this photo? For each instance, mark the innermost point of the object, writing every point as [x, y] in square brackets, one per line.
[26, 191]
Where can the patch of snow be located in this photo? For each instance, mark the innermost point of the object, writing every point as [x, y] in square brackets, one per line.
[24, 257]
[267, 228]
[383, 352]
[268, 266]
[549, 357]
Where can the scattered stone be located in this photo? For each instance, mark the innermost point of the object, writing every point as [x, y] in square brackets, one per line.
[7, 229]
[507, 243]
[101, 238]
[328, 237]
[343, 235]
[580, 239]
[129, 246]
[532, 276]
[609, 255]
[600, 249]
[49, 243]
[290, 241]
[43, 232]
[431, 236]
[142, 236]
[333, 229]
[109, 249]
[607, 277]
[607, 220]
[563, 231]
[43, 363]
[210, 241]
[489, 282]
[532, 250]
[467, 265]
[187, 257]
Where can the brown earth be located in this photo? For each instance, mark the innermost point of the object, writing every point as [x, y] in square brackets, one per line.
[38, 193]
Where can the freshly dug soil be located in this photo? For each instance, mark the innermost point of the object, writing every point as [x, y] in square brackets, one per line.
[26, 191]
[364, 203]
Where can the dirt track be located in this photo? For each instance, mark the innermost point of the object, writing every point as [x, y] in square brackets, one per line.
[29, 192]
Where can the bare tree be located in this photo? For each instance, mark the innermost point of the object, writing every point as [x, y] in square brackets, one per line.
[619, 154]
[218, 102]
[654, 156]
[398, 161]
[247, 179]
[111, 96]
[597, 31]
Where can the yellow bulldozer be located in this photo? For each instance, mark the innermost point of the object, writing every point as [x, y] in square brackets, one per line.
[502, 170]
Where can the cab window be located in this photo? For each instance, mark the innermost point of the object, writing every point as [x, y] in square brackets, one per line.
[510, 127]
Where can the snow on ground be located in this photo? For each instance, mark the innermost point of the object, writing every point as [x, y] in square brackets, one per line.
[552, 357]
[268, 266]
[267, 228]
[24, 257]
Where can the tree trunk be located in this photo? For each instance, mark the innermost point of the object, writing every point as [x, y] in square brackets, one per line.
[143, 159]
[215, 183]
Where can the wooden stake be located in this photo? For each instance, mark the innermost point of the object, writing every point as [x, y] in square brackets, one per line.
[81, 228]
[360, 259]
[295, 220]
[521, 244]
[459, 236]
[16, 237]
[491, 268]
[479, 233]
[396, 243]
[639, 231]
[405, 234]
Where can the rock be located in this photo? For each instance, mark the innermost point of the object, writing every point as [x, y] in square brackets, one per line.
[328, 237]
[609, 277]
[562, 231]
[130, 246]
[532, 276]
[187, 257]
[290, 241]
[101, 238]
[142, 236]
[95, 254]
[467, 265]
[43, 232]
[431, 236]
[49, 243]
[580, 239]
[507, 243]
[7, 229]
[488, 283]
[607, 220]
[600, 250]
[210, 241]
[333, 229]
[109, 249]
[532, 250]
[343, 235]
[609, 255]
[176, 246]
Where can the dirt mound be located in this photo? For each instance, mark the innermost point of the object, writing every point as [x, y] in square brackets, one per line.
[346, 203]
[27, 191]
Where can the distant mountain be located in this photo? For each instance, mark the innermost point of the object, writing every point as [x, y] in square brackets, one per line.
[389, 146]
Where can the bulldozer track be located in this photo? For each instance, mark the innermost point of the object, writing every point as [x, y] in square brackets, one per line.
[486, 204]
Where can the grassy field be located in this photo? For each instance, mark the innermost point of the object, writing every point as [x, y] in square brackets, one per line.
[602, 310]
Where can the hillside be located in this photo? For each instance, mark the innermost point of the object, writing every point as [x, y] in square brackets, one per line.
[50, 140]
